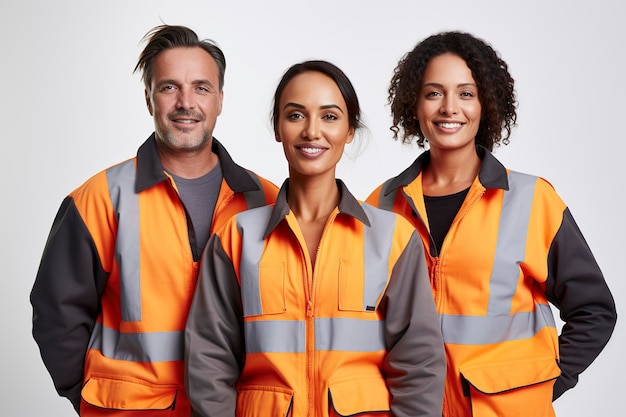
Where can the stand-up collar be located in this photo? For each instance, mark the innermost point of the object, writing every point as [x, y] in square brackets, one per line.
[492, 173]
[150, 170]
[348, 205]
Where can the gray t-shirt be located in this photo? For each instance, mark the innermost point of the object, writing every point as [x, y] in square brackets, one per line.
[199, 196]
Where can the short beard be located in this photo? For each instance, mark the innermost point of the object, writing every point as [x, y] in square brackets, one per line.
[171, 142]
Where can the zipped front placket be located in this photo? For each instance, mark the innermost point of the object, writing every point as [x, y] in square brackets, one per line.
[310, 319]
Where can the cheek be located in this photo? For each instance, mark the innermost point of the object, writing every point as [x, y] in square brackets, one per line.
[476, 112]
[287, 132]
[422, 112]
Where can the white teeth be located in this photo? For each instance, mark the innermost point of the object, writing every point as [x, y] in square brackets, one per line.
[450, 125]
[311, 150]
[185, 121]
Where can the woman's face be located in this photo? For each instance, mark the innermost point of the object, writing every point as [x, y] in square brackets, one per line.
[448, 108]
[312, 125]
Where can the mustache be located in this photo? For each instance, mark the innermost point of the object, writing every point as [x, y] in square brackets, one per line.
[185, 113]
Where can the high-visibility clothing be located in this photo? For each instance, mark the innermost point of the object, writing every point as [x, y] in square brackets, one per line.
[270, 334]
[512, 248]
[115, 282]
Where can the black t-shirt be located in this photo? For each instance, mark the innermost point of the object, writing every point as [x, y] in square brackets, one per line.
[441, 211]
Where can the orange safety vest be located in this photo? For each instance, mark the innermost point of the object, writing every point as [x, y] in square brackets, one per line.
[488, 282]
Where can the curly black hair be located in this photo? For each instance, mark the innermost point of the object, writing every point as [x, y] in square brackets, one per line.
[495, 87]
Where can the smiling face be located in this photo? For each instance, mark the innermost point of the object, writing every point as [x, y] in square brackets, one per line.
[312, 125]
[184, 98]
[448, 108]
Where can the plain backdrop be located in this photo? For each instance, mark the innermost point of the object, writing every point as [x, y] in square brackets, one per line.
[71, 106]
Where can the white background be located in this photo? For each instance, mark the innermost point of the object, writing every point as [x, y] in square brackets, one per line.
[71, 107]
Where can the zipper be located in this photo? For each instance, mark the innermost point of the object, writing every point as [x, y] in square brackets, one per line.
[310, 315]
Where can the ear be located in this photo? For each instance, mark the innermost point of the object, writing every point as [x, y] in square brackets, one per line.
[148, 102]
[221, 100]
[350, 136]
[277, 138]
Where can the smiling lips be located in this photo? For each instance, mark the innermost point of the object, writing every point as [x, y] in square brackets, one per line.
[185, 117]
[310, 150]
[449, 125]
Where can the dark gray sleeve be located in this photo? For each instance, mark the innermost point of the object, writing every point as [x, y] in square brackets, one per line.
[576, 286]
[214, 348]
[66, 300]
[415, 366]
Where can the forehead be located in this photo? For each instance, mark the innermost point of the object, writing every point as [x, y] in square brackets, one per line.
[185, 65]
[447, 67]
[312, 87]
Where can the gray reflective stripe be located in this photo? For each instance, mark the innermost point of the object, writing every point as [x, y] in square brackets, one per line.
[255, 198]
[385, 202]
[351, 335]
[499, 325]
[275, 336]
[121, 180]
[289, 336]
[251, 225]
[479, 330]
[138, 347]
[511, 245]
[377, 246]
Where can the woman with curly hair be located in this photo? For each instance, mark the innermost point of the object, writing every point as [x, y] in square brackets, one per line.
[501, 245]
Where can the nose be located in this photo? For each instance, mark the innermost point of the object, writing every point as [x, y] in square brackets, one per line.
[312, 129]
[449, 106]
[185, 99]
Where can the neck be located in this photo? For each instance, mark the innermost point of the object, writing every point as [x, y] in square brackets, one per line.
[450, 172]
[188, 164]
[312, 199]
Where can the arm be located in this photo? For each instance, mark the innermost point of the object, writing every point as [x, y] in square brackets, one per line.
[214, 349]
[66, 300]
[576, 286]
[415, 364]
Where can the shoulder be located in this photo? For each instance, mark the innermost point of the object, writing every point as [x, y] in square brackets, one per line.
[100, 184]
[385, 219]
[538, 188]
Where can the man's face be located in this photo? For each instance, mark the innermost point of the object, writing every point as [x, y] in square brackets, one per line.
[184, 98]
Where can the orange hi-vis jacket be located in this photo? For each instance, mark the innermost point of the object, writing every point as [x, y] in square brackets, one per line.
[512, 248]
[268, 335]
[116, 280]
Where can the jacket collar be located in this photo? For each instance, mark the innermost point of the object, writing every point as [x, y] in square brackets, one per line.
[150, 170]
[348, 205]
[492, 173]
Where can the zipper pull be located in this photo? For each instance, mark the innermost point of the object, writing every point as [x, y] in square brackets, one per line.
[309, 308]
[434, 280]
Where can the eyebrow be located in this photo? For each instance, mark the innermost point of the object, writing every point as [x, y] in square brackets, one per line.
[195, 82]
[441, 85]
[300, 106]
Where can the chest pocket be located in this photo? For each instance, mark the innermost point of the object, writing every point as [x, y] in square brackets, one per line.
[272, 288]
[363, 291]
[262, 285]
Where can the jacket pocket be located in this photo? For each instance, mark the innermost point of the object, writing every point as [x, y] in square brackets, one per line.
[356, 292]
[269, 298]
[104, 395]
[359, 396]
[262, 401]
[512, 389]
